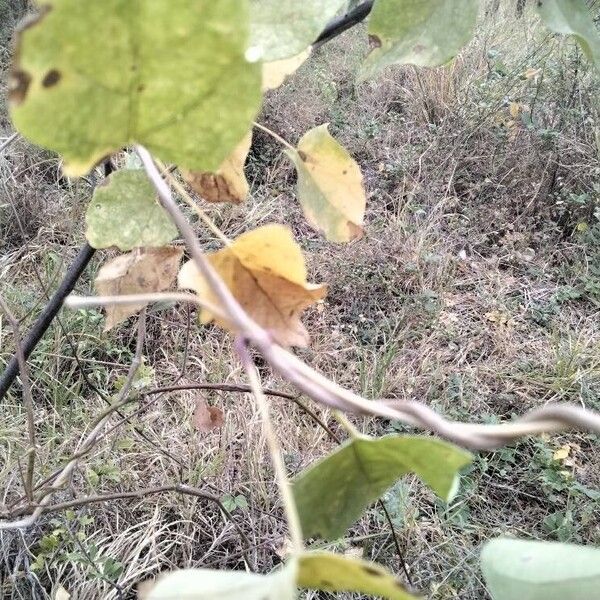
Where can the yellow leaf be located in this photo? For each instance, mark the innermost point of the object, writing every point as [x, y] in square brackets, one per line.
[277, 71]
[228, 183]
[515, 109]
[330, 186]
[265, 270]
[142, 271]
[562, 453]
[335, 573]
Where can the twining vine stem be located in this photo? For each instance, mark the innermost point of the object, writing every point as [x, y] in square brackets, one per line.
[551, 418]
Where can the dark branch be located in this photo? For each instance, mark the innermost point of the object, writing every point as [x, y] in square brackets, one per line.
[47, 316]
[347, 21]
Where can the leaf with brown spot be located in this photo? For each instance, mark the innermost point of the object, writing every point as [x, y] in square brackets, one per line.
[277, 71]
[330, 186]
[265, 270]
[18, 84]
[228, 183]
[336, 573]
[89, 78]
[426, 33]
[142, 271]
[206, 418]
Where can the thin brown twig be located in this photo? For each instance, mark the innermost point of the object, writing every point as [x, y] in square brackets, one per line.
[92, 438]
[27, 399]
[140, 494]
[221, 387]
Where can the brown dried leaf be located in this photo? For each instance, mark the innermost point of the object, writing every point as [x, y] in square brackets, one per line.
[141, 271]
[265, 271]
[207, 418]
[228, 183]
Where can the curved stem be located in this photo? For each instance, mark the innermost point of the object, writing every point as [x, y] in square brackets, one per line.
[275, 136]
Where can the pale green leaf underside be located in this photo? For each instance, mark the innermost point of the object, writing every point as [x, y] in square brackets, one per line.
[284, 28]
[92, 77]
[425, 33]
[531, 570]
[337, 573]
[208, 584]
[333, 493]
[572, 17]
[124, 213]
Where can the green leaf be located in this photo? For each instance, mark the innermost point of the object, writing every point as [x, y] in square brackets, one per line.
[572, 17]
[92, 77]
[330, 186]
[333, 493]
[208, 584]
[284, 28]
[336, 573]
[124, 212]
[531, 570]
[425, 33]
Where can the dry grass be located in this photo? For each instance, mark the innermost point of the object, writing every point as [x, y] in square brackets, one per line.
[472, 291]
